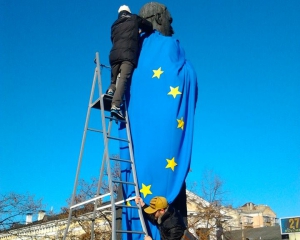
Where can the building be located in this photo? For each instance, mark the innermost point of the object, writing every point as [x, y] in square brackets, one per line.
[265, 233]
[209, 220]
[221, 219]
[52, 227]
[257, 216]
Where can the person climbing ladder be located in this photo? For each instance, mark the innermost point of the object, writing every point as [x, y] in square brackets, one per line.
[123, 56]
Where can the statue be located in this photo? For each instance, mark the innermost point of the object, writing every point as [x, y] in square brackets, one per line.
[161, 107]
[159, 16]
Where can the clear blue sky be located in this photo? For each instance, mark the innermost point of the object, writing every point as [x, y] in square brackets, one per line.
[247, 58]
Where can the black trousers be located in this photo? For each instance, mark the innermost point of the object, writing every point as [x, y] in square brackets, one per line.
[125, 69]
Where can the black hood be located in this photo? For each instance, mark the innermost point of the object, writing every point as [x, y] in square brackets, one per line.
[124, 13]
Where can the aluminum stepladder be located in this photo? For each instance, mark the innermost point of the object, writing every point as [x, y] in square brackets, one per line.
[103, 104]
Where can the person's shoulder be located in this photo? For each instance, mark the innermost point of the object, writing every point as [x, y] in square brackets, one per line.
[116, 21]
[174, 212]
[135, 16]
[172, 217]
[119, 20]
[172, 208]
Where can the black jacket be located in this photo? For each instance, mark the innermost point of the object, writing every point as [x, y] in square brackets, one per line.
[171, 226]
[125, 37]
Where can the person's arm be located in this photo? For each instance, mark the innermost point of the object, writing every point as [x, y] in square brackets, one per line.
[150, 217]
[139, 200]
[144, 25]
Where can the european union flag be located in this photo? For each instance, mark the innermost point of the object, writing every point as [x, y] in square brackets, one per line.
[161, 106]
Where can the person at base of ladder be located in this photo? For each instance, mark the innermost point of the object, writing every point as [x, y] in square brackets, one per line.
[123, 56]
[168, 220]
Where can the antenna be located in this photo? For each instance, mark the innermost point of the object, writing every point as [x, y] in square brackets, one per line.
[51, 210]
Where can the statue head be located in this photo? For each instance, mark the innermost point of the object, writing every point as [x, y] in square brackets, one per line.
[159, 16]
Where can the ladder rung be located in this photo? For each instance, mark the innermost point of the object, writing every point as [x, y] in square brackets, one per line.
[90, 200]
[94, 130]
[126, 206]
[119, 139]
[129, 183]
[113, 118]
[116, 203]
[125, 231]
[120, 159]
[110, 137]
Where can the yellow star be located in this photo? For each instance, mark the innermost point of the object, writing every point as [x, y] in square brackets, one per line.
[157, 73]
[128, 203]
[180, 123]
[174, 91]
[171, 163]
[145, 190]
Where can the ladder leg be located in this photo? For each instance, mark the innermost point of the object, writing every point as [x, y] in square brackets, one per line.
[100, 183]
[107, 160]
[133, 171]
[119, 211]
[80, 155]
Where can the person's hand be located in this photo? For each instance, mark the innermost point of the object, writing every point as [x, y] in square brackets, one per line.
[147, 237]
[139, 200]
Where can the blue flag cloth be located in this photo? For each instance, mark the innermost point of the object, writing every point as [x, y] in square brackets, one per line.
[161, 105]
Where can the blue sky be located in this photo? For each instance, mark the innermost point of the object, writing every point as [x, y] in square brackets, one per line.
[247, 58]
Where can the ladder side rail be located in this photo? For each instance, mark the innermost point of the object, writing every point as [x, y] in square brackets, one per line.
[100, 184]
[110, 185]
[140, 211]
[111, 189]
[81, 154]
[99, 83]
[105, 155]
[107, 160]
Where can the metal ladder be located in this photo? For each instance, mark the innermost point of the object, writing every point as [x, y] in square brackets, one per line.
[103, 104]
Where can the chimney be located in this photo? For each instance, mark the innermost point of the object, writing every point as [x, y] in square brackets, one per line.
[28, 218]
[41, 215]
[251, 206]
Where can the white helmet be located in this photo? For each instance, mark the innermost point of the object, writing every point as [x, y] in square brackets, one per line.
[124, 8]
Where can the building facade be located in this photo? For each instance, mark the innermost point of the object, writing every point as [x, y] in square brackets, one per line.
[207, 220]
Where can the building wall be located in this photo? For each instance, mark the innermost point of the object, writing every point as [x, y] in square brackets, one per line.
[261, 216]
[51, 230]
[247, 216]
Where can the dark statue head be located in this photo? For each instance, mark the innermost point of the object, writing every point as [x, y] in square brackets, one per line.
[159, 16]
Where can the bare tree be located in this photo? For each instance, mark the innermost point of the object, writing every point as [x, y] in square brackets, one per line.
[209, 220]
[14, 207]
